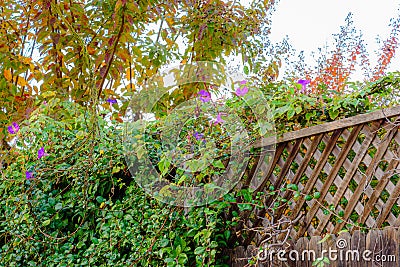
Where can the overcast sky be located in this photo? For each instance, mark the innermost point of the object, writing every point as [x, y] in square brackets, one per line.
[309, 24]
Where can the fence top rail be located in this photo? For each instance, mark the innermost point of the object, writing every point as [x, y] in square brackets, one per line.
[330, 126]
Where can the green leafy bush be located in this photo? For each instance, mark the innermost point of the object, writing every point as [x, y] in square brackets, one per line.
[82, 207]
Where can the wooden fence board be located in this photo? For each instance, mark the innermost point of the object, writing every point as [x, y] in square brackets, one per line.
[379, 188]
[349, 174]
[311, 181]
[331, 126]
[365, 179]
[333, 173]
[377, 248]
[355, 165]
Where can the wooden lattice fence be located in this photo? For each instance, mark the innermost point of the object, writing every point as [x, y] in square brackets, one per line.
[352, 162]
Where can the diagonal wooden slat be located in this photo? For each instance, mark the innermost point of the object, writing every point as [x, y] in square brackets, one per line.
[350, 173]
[302, 167]
[292, 154]
[332, 174]
[278, 153]
[388, 205]
[311, 181]
[380, 187]
[368, 174]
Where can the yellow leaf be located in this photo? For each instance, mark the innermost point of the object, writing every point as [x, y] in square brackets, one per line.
[118, 5]
[7, 75]
[169, 42]
[22, 81]
[48, 94]
[123, 54]
[149, 72]
[91, 50]
[26, 60]
[128, 74]
[131, 86]
[170, 21]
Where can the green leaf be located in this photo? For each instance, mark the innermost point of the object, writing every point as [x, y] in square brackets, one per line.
[46, 222]
[199, 250]
[58, 206]
[291, 112]
[333, 113]
[218, 164]
[99, 199]
[246, 70]
[293, 187]
[326, 237]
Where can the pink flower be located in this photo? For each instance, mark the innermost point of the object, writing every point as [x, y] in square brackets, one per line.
[304, 84]
[13, 128]
[218, 119]
[204, 95]
[242, 91]
[41, 153]
[198, 136]
[111, 101]
[243, 82]
[29, 175]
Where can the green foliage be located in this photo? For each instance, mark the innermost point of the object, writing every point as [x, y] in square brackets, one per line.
[82, 208]
[294, 110]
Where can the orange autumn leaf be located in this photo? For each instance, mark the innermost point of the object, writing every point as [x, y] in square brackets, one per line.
[8, 75]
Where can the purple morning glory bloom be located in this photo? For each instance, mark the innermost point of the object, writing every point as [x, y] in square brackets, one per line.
[198, 135]
[303, 85]
[111, 101]
[41, 153]
[29, 175]
[218, 119]
[13, 128]
[204, 95]
[242, 91]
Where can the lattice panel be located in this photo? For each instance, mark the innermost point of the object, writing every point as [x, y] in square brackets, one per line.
[355, 168]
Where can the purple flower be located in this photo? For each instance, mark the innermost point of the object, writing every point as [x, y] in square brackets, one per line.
[303, 85]
[242, 91]
[218, 119]
[41, 153]
[198, 135]
[111, 101]
[204, 95]
[13, 128]
[243, 82]
[29, 175]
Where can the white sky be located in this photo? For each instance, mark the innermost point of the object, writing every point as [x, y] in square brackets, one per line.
[309, 24]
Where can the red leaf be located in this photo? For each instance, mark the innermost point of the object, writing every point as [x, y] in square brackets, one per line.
[103, 71]
[107, 57]
[111, 41]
